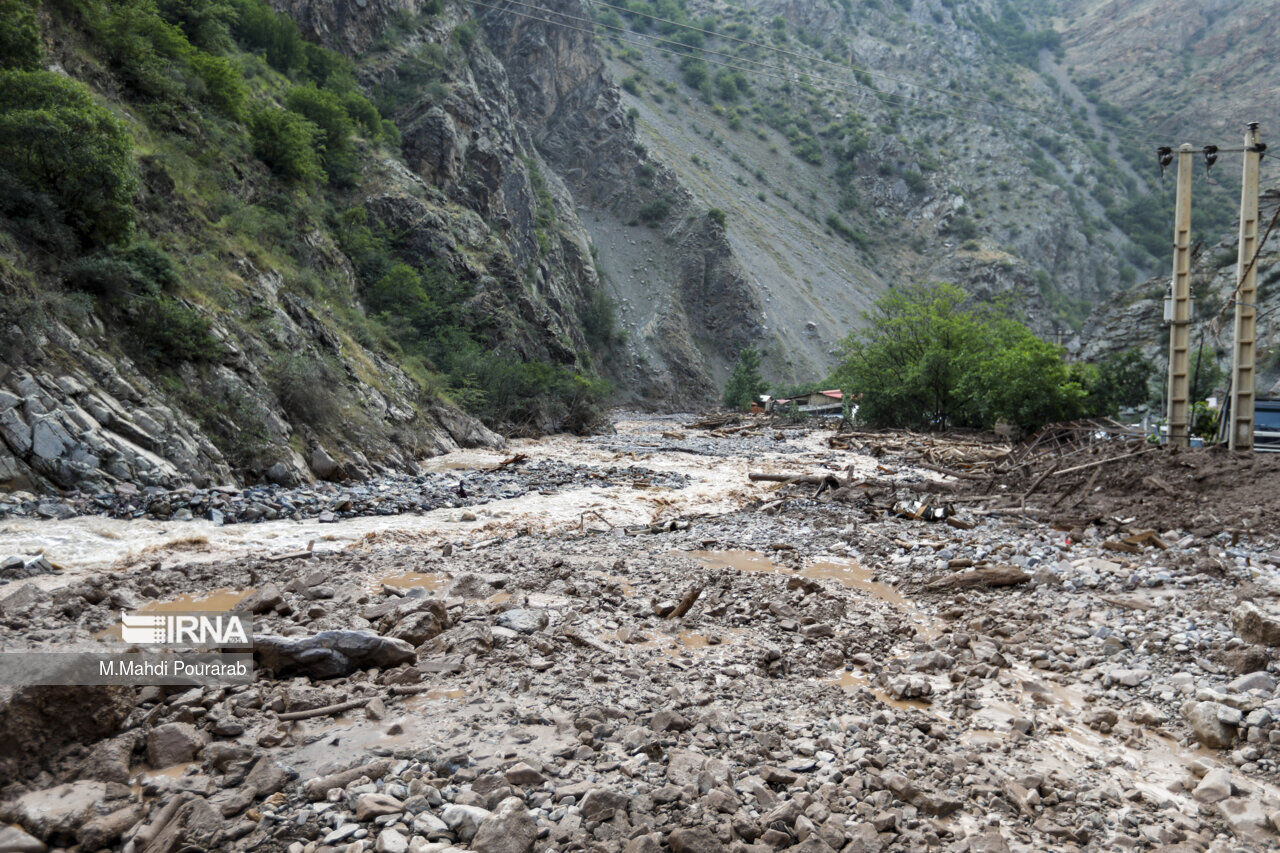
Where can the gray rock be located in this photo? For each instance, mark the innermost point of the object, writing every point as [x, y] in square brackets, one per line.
[20, 599]
[1214, 787]
[329, 654]
[667, 720]
[1256, 626]
[104, 831]
[262, 600]
[14, 840]
[428, 620]
[464, 821]
[390, 841]
[522, 774]
[600, 804]
[1246, 818]
[369, 806]
[522, 620]
[1127, 677]
[696, 839]
[174, 743]
[267, 777]
[990, 841]
[196, 825]
[55, 814]
[1263, 681]
[322, 464]
[1206, 720]
[509, 829]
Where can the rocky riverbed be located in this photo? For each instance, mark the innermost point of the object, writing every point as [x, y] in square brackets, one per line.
[680, 659]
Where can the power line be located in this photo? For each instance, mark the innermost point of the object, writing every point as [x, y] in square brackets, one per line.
[779, 72]
[845, 66]
[784, 74]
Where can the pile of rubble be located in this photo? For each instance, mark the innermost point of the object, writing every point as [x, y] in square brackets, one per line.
[390, 495]
[800, 674]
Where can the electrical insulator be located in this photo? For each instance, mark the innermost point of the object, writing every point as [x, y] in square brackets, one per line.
[1210, 156]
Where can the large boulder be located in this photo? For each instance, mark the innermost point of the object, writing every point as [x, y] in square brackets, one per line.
[1211, 722]
[39, 721]
[329, 654]
[196, 825]
[510, 829]
[1256, 626]
[56, 814]
[174, 743]
[427, 619]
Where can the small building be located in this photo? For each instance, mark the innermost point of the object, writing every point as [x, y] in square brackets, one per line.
[814, 403]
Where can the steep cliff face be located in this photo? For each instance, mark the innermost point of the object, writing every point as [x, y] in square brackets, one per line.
[225, 341]
[531, 117]
[1186, 69]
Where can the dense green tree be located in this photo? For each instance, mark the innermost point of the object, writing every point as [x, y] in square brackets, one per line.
[19, 36]
[287, 142]
[1012, 375]
[1206, 373]
[206, 23]
[60, 143]
[925, 360]
[745, 382]
[325, 110]
[223, 84]
[1121, 380]
[273, 34]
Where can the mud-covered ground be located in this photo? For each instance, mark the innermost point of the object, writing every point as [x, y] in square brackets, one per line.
[841, 676]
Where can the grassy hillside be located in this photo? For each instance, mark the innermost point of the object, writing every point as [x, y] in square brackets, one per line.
[165, 161]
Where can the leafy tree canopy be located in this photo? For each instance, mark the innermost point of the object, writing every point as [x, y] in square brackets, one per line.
[60, 143]
[19, 36]
[745, 383]
[927, 360]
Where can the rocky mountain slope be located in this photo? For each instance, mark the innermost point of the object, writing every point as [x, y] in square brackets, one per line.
[351, 231]
[1134, 317]
[1184, 69]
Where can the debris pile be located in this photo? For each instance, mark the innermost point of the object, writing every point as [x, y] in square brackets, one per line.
[807, 672]
[392, 495]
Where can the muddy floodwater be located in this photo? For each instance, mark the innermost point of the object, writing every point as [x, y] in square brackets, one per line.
[642, 649]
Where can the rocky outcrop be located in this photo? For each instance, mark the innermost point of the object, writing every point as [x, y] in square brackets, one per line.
[1135, 317]
[77, 413]
[87, 426]
[51, 718]
[534, 129]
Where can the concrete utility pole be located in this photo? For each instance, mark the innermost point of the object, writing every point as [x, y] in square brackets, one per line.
[1244, 352]
[1179, 410]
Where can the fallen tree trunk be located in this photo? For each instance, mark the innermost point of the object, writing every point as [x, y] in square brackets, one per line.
[327, 710]
[690, 597]
[991, 576]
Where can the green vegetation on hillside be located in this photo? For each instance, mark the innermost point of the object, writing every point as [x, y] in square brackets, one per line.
[197, 142]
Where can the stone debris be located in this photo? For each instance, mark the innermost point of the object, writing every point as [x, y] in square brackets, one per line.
[821, 692]
[331, 502]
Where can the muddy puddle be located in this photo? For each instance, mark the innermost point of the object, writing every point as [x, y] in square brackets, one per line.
[217, 601]
[845, 572]
[676, 645]
[430, 581]
[853, 681]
